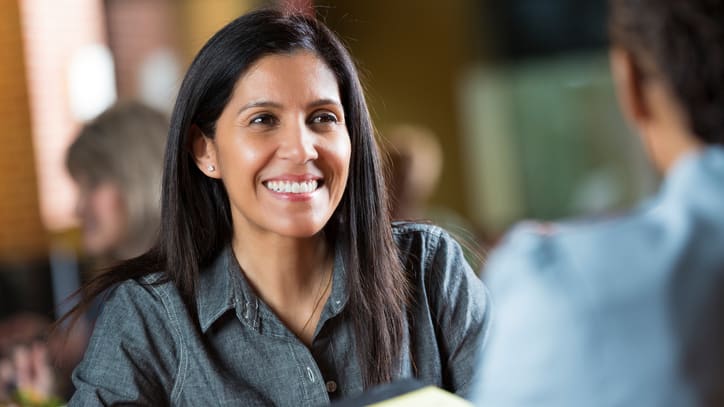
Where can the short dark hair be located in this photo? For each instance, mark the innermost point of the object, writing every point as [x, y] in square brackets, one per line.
[681, 41]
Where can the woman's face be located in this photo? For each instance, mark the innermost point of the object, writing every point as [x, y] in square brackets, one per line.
[103, 215]
[281, 147]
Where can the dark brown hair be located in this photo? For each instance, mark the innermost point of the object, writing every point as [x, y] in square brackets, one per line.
[681, 41]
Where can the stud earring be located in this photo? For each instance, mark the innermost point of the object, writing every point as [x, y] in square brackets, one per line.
[211, 168]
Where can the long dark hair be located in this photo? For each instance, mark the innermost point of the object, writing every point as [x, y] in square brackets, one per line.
[196, 221]
[683, 43]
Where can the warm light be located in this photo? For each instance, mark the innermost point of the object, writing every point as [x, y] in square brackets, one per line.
[91, 81]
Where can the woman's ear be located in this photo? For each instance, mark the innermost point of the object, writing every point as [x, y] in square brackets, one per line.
[629, 86]
[204, 151]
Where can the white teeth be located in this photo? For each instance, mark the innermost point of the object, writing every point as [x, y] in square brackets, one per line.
[292, 187]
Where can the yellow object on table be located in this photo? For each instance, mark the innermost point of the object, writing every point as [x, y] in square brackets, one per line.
[429, 396]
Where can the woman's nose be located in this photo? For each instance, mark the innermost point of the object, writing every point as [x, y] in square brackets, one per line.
[298, 144]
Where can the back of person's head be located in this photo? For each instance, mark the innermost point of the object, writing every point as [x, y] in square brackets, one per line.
[123, 148]
[681, 42]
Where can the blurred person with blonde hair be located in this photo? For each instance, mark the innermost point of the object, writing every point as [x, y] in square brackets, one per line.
[117, 163]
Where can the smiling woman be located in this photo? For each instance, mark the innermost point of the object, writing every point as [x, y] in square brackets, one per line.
[283, 159]
[278, 277]
[281, 134]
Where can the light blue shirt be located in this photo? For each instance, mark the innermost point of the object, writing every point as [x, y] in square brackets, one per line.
[585, 310]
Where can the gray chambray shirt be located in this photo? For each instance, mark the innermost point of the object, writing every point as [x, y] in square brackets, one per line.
[146, 349]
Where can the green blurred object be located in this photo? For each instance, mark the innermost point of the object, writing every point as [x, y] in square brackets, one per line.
[546, 141]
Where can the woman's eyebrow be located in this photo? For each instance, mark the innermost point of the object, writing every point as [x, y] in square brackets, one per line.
[267, 103]
[323, 102]
[258, 103]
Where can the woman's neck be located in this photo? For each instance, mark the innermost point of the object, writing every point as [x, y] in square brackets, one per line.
[285, 272]
[279, 261]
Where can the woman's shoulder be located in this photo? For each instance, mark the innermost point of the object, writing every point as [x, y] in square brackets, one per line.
[425, 248]
[421, 232]
[135, 303]
[148, 289]
[423, 240]
[144, 282]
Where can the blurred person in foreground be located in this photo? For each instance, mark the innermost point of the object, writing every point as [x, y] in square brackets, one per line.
[116, 161]
[278, 277]
[608, 312]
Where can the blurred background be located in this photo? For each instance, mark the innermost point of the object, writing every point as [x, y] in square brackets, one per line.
[514, 94]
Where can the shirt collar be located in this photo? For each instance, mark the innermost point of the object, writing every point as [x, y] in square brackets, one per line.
[222, 287]
[215, 293]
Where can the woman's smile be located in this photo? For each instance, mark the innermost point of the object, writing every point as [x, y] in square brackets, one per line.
[294, 187]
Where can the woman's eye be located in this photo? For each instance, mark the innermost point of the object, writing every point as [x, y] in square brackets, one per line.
[324, 118]
[264, 119]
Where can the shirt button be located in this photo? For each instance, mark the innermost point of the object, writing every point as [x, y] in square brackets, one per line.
[310, 374]
[331, 386]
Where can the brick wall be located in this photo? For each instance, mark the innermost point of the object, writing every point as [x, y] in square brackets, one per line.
[137, 29]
